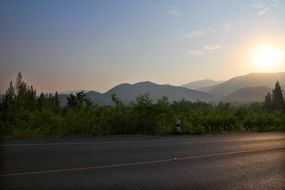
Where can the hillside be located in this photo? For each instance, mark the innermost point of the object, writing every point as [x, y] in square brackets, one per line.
[251, 80]
[129, 92]
[248, 94]
[247, 88]
[201, 84]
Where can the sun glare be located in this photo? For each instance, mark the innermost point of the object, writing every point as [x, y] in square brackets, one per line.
[267, 58]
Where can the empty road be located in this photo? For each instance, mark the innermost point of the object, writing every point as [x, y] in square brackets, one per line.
[238, 161]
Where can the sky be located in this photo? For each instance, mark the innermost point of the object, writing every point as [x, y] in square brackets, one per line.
[62, 45]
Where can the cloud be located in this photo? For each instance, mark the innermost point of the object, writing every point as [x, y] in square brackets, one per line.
[227, 26]
[206, 49]
[213, 47]
[195, 52]
[194, 34]
[263, 11]
[264, 6]
[199, 33]
[173, 11]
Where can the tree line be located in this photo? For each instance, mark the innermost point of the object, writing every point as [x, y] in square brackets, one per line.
[275, 101]
[23, 113]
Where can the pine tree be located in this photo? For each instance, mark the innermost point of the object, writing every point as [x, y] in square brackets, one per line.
[8, 104]
[57, 102]
[72, 101]
[268, 102]
[18, 82]
[9, 97]
[277, 97]
[41, 101]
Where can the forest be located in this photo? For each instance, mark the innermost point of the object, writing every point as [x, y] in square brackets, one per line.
[25, 114]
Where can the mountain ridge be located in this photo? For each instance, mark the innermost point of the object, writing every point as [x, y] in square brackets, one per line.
[201, 84]
[247, 95]
[246, 88]
[129, 92]
[248, 80]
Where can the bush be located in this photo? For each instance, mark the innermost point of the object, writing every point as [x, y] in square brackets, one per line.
[140, 117]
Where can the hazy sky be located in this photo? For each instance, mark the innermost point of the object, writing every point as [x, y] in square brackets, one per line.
[71, 45]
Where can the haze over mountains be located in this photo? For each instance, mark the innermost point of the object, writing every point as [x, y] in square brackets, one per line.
[246, 88]
[242, 89]
[249, 80]
[201, 84]
[247, 94]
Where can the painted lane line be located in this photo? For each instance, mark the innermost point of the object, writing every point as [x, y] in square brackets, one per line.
[138, 163]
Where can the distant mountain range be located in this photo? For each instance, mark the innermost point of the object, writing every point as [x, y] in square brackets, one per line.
[129, 92]
[248, 94]
[201, 84]
[242, 89]
[251, 80]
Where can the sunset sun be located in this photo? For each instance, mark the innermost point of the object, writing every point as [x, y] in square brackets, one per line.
[267, 58]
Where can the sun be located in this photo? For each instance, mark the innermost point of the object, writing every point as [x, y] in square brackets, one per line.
[267, 58]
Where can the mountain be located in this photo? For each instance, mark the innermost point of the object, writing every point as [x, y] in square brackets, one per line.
[98, 97]
[207, 88]
[248, 94]
[201, 84]
[251, 80]
[71, 91]
[248, 88]
[129, 92]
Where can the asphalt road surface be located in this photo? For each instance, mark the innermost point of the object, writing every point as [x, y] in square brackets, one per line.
[240, 161]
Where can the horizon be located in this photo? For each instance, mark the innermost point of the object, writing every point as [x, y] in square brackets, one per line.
[96, 45]
[69, 91]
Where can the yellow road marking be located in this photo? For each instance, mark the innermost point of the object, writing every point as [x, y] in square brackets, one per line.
[137, 163]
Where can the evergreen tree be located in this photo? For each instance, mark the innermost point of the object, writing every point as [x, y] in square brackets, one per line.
[57, 102]
[79, 100]
[26, 97]
[41, 101]
[277, 97]
[18, 82]
[268, 102]
[7, 107]
[10, 95]
[72, 101]
[8, 99]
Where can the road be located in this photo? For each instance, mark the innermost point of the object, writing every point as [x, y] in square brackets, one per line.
[238, 161]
